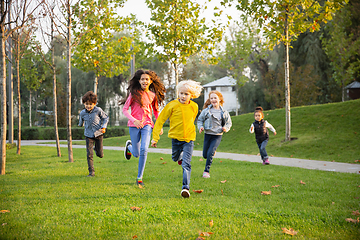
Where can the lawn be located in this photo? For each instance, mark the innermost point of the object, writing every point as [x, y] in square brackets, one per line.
[49, 198]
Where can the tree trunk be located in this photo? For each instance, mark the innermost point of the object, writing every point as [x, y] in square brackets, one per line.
[19, 97]
[287, 85]
[3, 96]
[68, 105]
[54, 92]
[30, 106]
[176, 79]
[95, 84]
[11, 94]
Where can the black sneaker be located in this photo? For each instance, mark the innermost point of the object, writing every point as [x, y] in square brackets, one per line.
[127, 153]
[91, 175]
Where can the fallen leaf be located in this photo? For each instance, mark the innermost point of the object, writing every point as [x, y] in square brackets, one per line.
[140, 186]
[172, 170]
[357, 160]
[291, 156]
[223, 181]
[222, 192]
[198, 191]
[265, 192]
[201, 159]
[355, 212]
[301, 182]
[352, 220]
[161, 158]
[163, 163]
[258, 154]
[290, 231]
[211, 223]
[205, 234]
[134, 237]
[200, 238]
[324, 164]
[333, 203]
[136, 208]
[276, 186]
[220, 161]
[197, 143]
[104, 210]
[3, 224]
[271, 155]
[4, 211]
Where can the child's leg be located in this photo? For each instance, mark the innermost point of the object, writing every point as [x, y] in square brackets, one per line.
[176, 146]
[214, 141]
[263, 152]
[145, 141]
[89, 155]
[206, 145]
[135, 135]
[188, 148]
[99, 146]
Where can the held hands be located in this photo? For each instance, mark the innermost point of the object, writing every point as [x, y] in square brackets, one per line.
[138, 124]
[153, 143]
[275, 133]
[103, 130]
[161, 131]
[224, 129]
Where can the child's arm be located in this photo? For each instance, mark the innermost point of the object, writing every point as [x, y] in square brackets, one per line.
[200, 121]
[164, 115]
[127, 114]
[228, 122]
[81, 123]
[268, 125]
[251, 130]
[104, 119]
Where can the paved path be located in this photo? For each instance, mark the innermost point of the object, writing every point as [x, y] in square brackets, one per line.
[290, 162]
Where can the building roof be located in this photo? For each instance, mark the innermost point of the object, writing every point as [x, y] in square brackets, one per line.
[225, 81]
[353, 85]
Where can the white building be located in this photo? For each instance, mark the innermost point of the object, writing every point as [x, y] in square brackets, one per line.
[227, 87]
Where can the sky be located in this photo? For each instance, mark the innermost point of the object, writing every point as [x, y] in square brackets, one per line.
[140, 9]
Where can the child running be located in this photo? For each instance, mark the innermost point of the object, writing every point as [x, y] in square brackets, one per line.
[260, 127]
[182, 113]
[95, 120]
[215, 121]
[145, 93]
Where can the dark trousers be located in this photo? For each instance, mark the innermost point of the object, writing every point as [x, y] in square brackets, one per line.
[90, 142]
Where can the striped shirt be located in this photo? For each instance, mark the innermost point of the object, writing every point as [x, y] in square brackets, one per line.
[94, 120]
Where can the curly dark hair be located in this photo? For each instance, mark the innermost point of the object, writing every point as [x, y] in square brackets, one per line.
[134, 88]
[90, 96]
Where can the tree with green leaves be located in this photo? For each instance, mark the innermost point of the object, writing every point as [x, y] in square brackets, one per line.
[283, 21]
[178, 32]
[105, 50]
[342, 45]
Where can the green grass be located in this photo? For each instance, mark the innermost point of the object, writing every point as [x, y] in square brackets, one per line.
[329, 132]
[50, 198]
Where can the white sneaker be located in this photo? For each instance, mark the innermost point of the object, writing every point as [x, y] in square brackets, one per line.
[206, 175]
[185, 193]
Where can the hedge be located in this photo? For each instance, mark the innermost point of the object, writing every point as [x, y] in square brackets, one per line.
[48, 133]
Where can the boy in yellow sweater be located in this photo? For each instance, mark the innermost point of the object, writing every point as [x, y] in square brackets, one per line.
[181, 113]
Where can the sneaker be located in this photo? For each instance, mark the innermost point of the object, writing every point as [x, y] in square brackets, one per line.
[206, 175]
[185, 193]
[140, 182]
[91, 175]
[266, 162]
[127, 153]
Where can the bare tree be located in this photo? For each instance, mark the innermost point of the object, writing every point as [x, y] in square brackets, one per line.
[26, 11]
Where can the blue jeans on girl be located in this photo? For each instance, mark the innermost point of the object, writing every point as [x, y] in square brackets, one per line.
[140, 150]
[262, 149]
[211, 143]
[187, 149]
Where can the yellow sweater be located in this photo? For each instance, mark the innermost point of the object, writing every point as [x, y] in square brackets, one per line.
[182, 117]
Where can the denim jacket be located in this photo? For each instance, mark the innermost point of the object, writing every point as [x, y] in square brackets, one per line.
[204, 120]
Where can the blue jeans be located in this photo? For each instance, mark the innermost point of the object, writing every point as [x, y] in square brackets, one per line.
[140, 150]
[211, 143]
[262, 149]
[187, 149]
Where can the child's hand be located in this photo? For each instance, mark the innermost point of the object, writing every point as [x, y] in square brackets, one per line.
[161, 131]
[224, 129]
[201, 129]
[103, 130]
[252, 128]
[138, 124]
[153, 143]
[275, 133]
